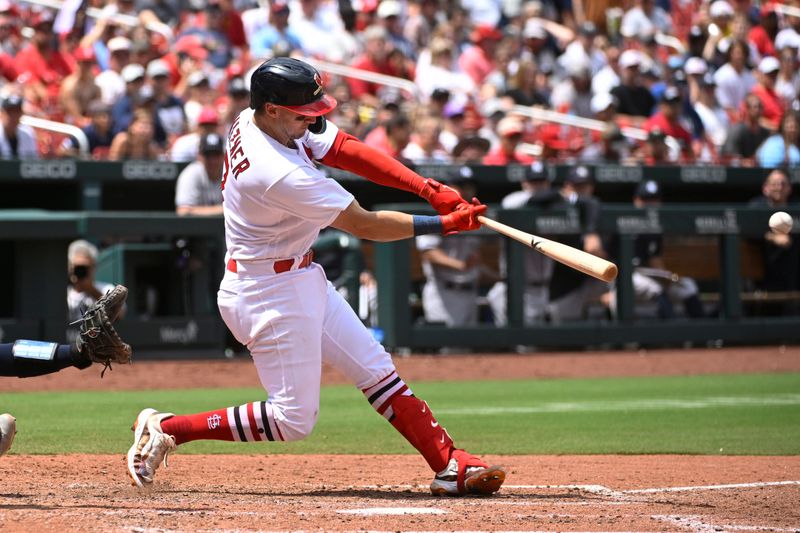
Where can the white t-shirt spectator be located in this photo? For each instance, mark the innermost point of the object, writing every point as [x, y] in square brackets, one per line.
[732, 87]
[112, 86]
[636, 23]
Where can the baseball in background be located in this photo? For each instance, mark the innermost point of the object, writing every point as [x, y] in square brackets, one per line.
[781, 222]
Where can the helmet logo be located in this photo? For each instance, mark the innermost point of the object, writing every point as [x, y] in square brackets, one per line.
[318, 81]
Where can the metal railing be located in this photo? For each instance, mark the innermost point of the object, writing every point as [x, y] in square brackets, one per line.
[365, 75]
[59, 127]
[119, 18]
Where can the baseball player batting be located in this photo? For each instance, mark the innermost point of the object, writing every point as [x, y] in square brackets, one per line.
[278, 303]
[97, 342]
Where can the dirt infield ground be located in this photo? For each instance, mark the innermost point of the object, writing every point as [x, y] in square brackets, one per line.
[388, 493]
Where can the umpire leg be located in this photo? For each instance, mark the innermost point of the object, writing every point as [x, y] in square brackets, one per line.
[26, 358]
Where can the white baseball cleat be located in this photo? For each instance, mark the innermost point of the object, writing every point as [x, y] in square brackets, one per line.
[466, 474]
[8, 428]
[150, 447]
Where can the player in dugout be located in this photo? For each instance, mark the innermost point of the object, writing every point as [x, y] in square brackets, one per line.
[97, 342]
[277, 301]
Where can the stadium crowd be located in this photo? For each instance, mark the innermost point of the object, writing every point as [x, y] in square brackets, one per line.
[664, 82]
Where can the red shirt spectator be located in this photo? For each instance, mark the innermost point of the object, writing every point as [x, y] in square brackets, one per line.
[477, 61]
[510, 131]
[763, 34]
[665, 120]
[41, 63]
[765, 90]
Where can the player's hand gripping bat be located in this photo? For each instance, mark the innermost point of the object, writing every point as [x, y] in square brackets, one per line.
[572, 257]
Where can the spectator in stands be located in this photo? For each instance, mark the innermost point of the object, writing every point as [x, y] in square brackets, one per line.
[424, 148]
[477, 61]
[199, 96]
[574, 93]
[452, 267]
[746, 135]
[522, 88]
[652, 280]
[390, 16]
[373, 59]
[608, 76]
[470, 150]
[17, 141]
[169, 119]
[634, 99]
[734, 79]
[83, 289]
[238, 98]
[763, 34]
[197, 190]
[773, 104]
[788, 82]
[419, 27]
[437, 70]
[780, 252]
[612, 147]
[79, 89]
[138, 141]
[781, 148]
[715, 120]
[315, 18]
[98, 132]
[654, 151]
[122, 110]
[510, 131]
[277, 35]
[537, 193]
[41, 65]
[645, 18]
[185, 147]
[110, 81]
[210, 26]
[666, 119]
[571, 291]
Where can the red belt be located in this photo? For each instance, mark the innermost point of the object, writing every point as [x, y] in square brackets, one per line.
[280, 265]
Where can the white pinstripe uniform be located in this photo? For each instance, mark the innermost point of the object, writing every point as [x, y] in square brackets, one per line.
[275, 203]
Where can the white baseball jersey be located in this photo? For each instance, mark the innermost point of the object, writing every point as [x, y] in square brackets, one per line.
[275, 199]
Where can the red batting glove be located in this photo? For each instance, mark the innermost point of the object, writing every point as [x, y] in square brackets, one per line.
[443, 198]
[465, 218]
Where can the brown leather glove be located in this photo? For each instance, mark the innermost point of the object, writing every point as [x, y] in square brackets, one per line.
[464, 218]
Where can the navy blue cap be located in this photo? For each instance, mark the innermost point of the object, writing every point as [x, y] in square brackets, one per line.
[211, 143]
[12, 101]
[579, 175]
[536, 172]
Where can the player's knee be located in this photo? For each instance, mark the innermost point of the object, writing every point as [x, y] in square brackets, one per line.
[298, 424]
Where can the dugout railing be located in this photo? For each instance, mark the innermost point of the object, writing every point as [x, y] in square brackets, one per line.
[714, 236]
[75, 185]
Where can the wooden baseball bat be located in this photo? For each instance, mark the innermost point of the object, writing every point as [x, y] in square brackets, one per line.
[587, 263]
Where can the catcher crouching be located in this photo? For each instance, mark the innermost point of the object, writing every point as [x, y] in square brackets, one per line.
[97, 342]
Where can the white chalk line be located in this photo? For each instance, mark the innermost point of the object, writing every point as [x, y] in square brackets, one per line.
[787, 399]
[699, 525]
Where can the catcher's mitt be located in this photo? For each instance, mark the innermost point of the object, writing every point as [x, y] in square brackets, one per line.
[97, 339]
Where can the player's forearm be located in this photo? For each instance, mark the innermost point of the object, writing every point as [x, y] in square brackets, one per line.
[199, 210]
[379, 226]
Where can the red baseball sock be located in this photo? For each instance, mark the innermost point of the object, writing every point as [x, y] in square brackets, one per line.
[212, 425]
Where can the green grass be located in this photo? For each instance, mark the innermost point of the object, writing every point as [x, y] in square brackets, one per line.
[741, 414]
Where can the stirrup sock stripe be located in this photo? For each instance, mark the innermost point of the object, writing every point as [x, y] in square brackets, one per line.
[253, 421]
[381, 394]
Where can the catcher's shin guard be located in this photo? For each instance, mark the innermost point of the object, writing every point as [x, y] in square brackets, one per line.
[414, 420]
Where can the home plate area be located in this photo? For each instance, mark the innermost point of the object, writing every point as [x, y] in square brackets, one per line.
[389, 493]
